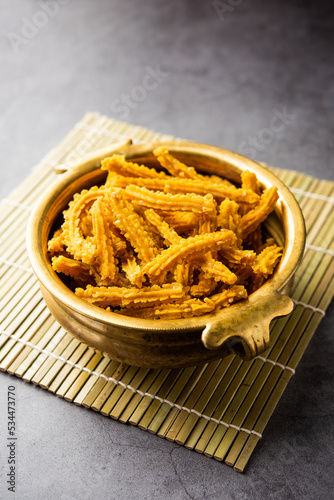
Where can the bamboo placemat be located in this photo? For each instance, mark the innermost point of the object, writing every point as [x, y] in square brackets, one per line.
[220, 409]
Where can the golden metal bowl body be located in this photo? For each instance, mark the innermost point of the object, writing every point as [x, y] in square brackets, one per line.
[242, 327]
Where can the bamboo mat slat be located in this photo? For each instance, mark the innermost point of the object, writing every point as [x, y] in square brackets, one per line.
[220, 409]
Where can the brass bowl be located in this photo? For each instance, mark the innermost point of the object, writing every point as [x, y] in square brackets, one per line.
[242, 328]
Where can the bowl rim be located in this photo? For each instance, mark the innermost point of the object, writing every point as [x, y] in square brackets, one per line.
[292, 254]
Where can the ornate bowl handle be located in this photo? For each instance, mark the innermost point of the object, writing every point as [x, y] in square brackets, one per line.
[245, 329]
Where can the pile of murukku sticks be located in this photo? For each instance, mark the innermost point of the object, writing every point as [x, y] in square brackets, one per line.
[165, 244]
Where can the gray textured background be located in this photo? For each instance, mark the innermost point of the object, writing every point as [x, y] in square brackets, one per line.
[227, 74]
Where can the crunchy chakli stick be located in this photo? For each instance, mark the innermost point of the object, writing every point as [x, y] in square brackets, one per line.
[173, 165]
[123, 297]
[158, 199]
[229, 217]
[57, 243]
[80, 247]
[168, 233]
[249, 181]
[186, 309]
[253, 218]
[182, 222]
[176, 185]
[178, 169]
[131, 226]
[229, 296]
[218, 271]
[74, 268]
[167, 259]
[165, 244]
[104, 252]
[118, 165]
[132, 269]
[267, 260]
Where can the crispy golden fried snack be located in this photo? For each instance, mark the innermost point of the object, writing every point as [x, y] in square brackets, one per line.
[123, 297]
[132, 269]
[253, 218]
[228, 296]
[218, 271]
[176, 185]
[174, 166]
[186, 309]
[57, 244]
[168, 233]
[165, 244]
[118, 165]
[235, 256]
[182, 222]
[178, 169]
[160, 200]
[267, 260]
[249, 181]
[131, 226]
[167, 259]
[104, 249]
[204, 287]
[80, 247]
[229, 217]
[75, 268]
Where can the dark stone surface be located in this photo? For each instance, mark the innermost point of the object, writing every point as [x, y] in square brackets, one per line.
[227, 74]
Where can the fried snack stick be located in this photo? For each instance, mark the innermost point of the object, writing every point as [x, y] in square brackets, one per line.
[218, 271]
[131, 226]
[104, 253]
[178, 169]
[80, 247]
[253, 218]
[229, 217]
[173, 255]
[128, 297]
[235, 256]
[175, 185]
[212, 269]
[249, 181]
[86, 225]
[229, 296]
[205, 286]
[157, 199]
[182, 222]
[264, 266]
[57, 244]
[117, 164]
[116, 237]
[168, 234]
[267, 260]
[132, 269]
[207, 223]
[208, 280]
[173, 165]
[74, 268]
[184, 271]
[186, 309]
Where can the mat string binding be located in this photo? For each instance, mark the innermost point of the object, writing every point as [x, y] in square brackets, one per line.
[308, 306]
[17, 266]
[16, 204]
[308, 194]
[319, 249]
[147, 394]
